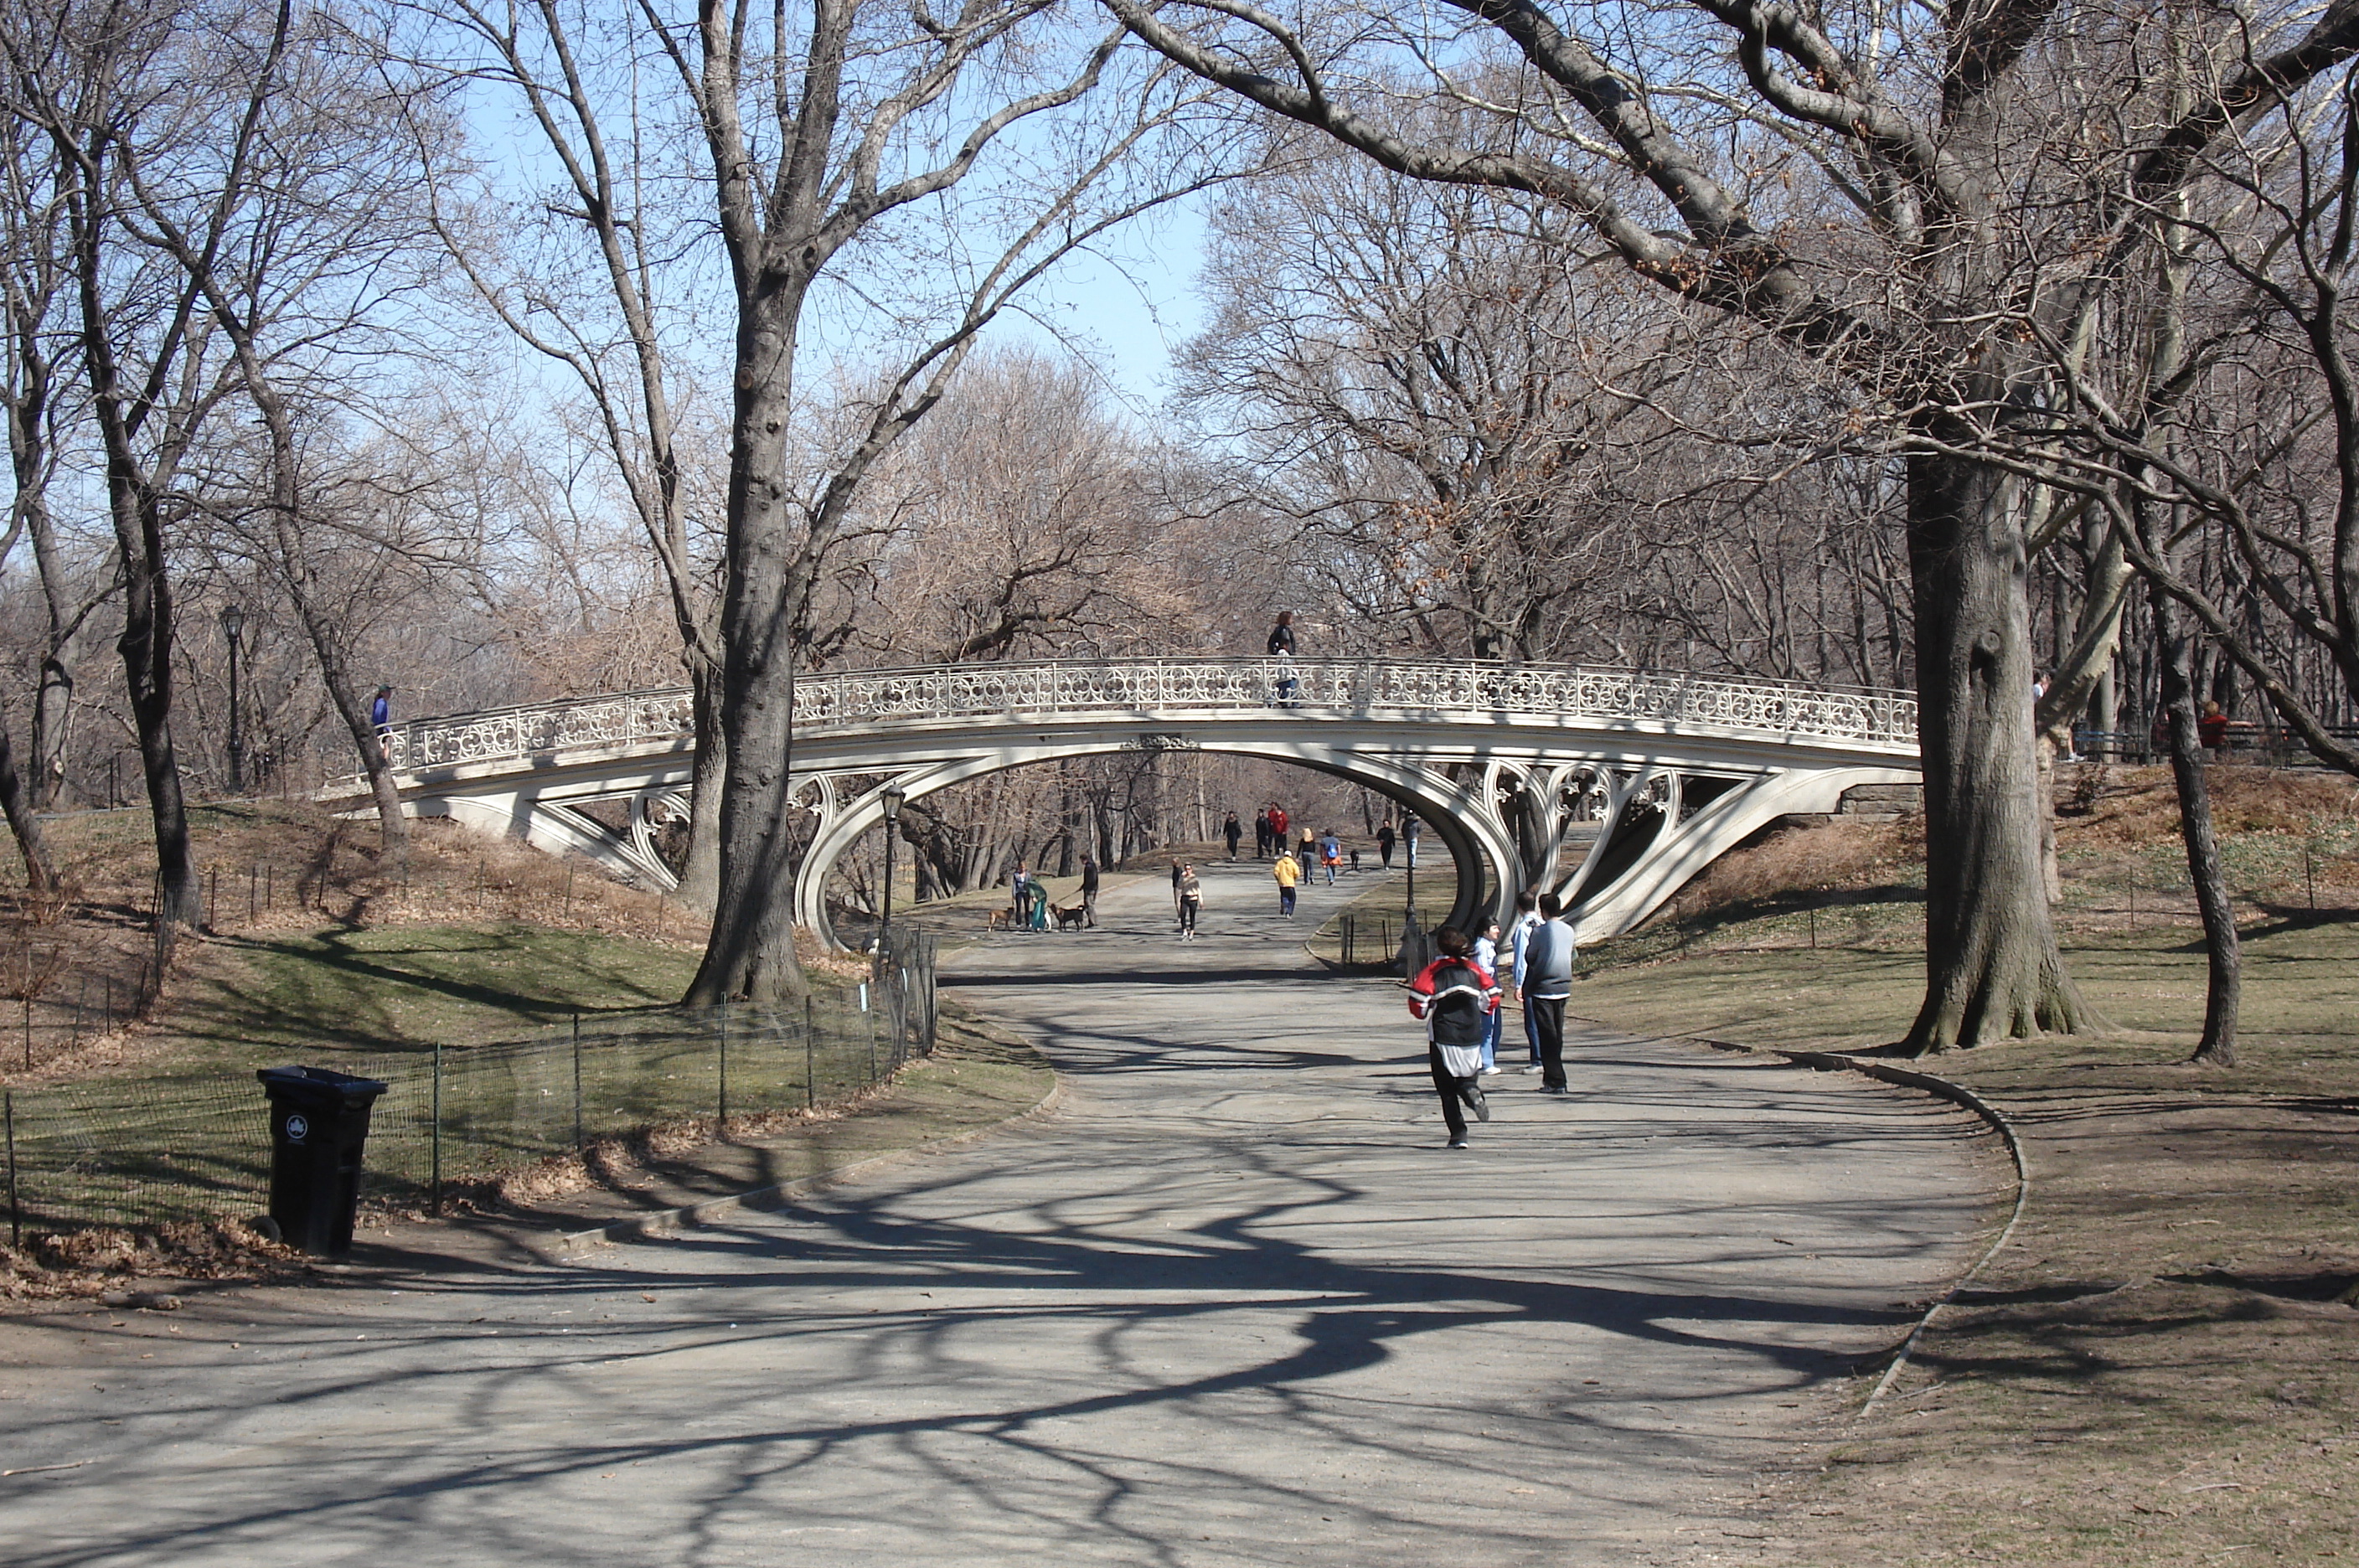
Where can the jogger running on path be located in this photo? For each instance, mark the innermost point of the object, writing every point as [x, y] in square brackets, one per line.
[1455, 996]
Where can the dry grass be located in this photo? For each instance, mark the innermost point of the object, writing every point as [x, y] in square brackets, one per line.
[1820, 858]
[276, 873]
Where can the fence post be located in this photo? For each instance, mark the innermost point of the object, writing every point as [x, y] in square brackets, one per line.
[720, 1118]
[577, 1080]
[212, 899]
[434, 1137]
[28, 1023]
[811, 1054]
[15, 1220]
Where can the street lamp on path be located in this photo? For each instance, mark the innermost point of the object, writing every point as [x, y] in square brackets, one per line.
[894, 796]
[1410, 828]
[232, 623]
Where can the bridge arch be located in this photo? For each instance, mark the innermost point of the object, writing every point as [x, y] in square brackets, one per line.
[1485, 858]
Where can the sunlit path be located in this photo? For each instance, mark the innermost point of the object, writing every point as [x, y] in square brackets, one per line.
[1233, 1305]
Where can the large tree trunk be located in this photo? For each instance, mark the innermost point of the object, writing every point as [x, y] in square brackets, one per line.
[750, 955]
[145, 646]
[40, 881]
[52, 728]
[1992, 970]
[700, 875]
[392, 825]
[2223, 949]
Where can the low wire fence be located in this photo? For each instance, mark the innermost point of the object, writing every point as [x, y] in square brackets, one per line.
[160, 1148]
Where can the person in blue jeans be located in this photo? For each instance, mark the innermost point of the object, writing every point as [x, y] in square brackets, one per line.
[1486, 957]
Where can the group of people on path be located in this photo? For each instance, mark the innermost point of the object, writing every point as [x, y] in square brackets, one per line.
[1027, 897]
[1458, 994]
[1290, 870]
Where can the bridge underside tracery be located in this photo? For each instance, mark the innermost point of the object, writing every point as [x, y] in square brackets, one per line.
[1616, 810]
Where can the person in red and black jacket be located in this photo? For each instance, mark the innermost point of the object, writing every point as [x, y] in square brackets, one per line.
[1455, 996]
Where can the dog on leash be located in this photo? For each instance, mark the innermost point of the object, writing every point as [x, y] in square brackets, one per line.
[1069, 919]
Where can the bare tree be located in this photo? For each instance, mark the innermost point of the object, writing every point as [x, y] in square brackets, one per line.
[629, 342]
[1865, 184]
[180, 92]
[822, 131]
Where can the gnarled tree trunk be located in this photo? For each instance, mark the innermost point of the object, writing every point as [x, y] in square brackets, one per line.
[1992, 970]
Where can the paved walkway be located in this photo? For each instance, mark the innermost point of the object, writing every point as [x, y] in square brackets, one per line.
[1234, 1305]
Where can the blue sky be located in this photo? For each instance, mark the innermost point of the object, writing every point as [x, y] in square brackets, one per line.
[1127, 307]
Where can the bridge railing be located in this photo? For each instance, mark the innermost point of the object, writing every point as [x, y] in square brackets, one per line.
[1179, 687]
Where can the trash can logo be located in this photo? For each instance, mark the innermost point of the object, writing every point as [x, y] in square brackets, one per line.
[299, 1127]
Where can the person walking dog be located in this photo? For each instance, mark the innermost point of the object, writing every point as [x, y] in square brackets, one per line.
[1455, 996]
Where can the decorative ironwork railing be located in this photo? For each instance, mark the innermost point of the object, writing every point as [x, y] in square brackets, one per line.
[1174, 687]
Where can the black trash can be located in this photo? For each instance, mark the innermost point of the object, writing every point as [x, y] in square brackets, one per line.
[319, 1120]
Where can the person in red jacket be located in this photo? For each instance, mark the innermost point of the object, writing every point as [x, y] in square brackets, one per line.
[1455, 996]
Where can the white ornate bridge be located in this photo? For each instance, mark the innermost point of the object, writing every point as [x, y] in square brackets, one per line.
[1502, 760]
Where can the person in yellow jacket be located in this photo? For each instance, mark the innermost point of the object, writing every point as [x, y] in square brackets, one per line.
[1289, 872]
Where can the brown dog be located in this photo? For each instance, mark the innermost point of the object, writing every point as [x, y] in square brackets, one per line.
[1002, 919]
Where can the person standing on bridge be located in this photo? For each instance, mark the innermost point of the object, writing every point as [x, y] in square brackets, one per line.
[1232, 831]
[1192, 902]
[1281, 648]
[1456, 998]
[1286, 874]
[1546, 983]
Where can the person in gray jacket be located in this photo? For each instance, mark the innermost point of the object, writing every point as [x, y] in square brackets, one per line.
[1545, 982]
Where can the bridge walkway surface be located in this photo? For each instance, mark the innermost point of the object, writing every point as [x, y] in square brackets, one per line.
[1231, 1304]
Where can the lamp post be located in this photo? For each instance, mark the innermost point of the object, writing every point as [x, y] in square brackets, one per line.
[1410, 828]
[232, 623]
[894, 796]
